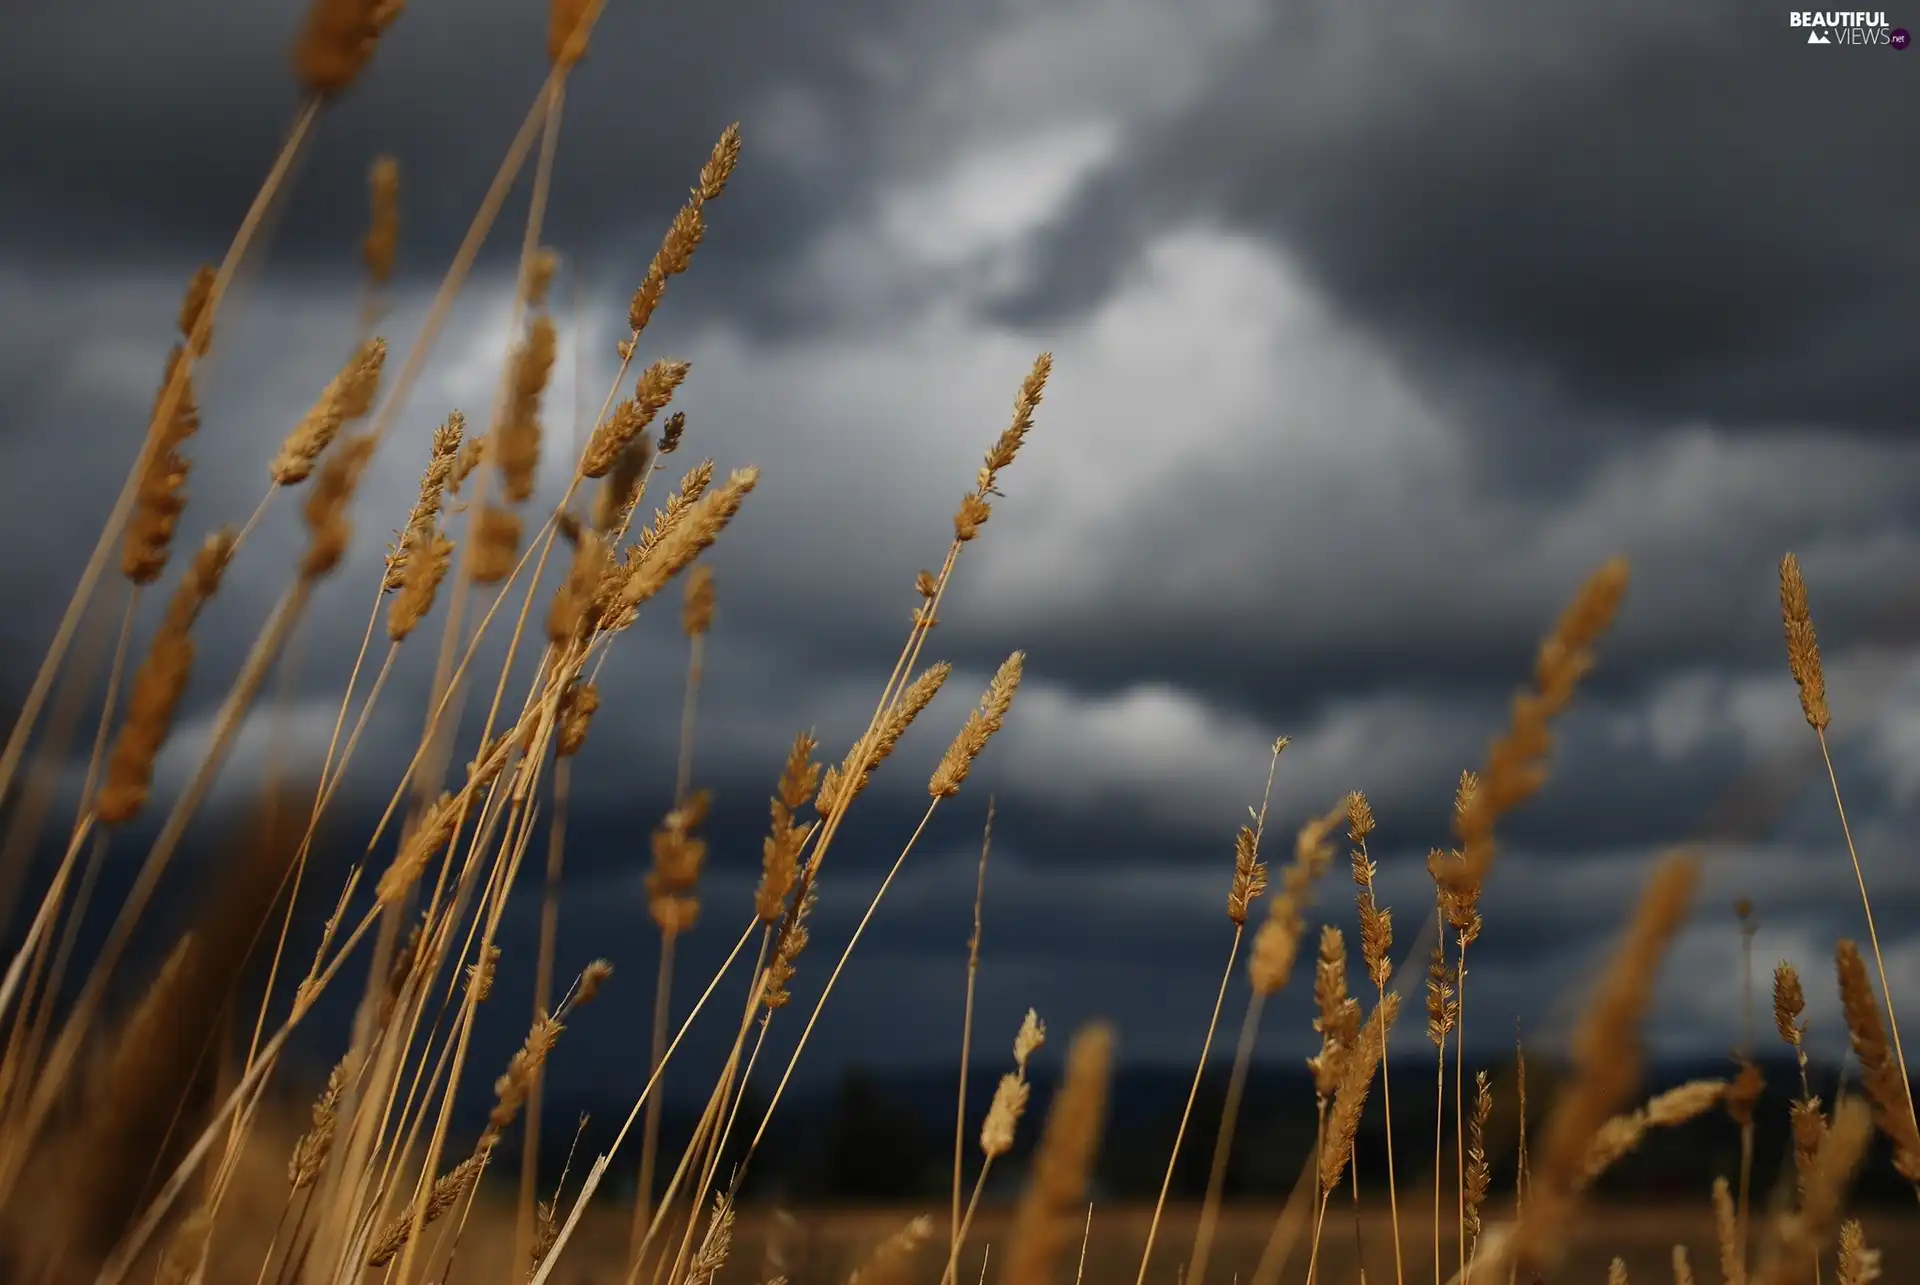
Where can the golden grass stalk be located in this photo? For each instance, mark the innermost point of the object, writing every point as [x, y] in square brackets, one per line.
[1884, 1081]
[1803, 660]
[1376, 950]
[1479, 1176]
[966, 1029]
[1621, 1135]
[676, 549]
[1605, 1072]
[1682, 1269]
[997, 1131]
[517, 442]
[1063, 1165]
[1726, 1232]
[841, 785]
[1342, 1124]
[158, 686]
[618, 431]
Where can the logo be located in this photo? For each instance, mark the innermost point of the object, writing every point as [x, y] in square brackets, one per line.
[1848, 27]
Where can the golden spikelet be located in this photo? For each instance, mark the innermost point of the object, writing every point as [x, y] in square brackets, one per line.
[447, 1192]
[1376, 924]
[1858, 1265]
[383, 226]
[715, 1245]
[1682, 1269]
[575, 612]
[496, 539]
[158, 686]
[1048, 1217]
[516, 1083]
[193, 307]
[1726, 1233]
[427, 565]
[686, 231]
[974, 509]
[982, 722]
[1798, 1236]
[1515, 767]
[1879, 1072]
[692, 487]
[432, 833]
[517, 448]
[629, 419]
[1789, 1002]
[1617, 1272]
[842, 785]
[678, 858]
[578, 704]
[161, 495]
[329, 531]
[1350, 1099]
[338, 39]
[316, 1144]
[792, 941]
[696, 529]
[1743, 1095]
[780, 850]
[1443, 1000]
[1622, 1134]
[891, 1262]
[696, 608]
[1003, 1117]
[424, 518]
[1337, 1019]
[620, 491]
[1479, 1174]
[1803, 648]
[1249, 875]
[480, 975]
[1606, 1062]
[1277, 944]
[348, 396]
[1809, 1126]
[671, 431]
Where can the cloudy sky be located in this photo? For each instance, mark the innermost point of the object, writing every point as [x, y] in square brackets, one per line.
[1375, 330]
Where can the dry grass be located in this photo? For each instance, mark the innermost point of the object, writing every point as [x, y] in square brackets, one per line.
[157, 1139]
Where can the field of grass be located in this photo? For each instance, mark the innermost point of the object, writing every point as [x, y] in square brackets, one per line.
[149, 1139]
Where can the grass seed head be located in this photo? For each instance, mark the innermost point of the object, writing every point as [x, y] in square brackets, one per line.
[1803, 647]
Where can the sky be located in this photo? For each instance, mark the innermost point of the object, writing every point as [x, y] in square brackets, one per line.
[1375, 330]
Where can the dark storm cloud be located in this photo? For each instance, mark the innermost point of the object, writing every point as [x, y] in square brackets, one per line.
[1294, 263]
[1657, 213]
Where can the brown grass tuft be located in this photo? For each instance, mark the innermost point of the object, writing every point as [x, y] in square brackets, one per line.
[1049, 1212]
[1879, 1075]
[1803, 647]
[348, 396]
[158, 686]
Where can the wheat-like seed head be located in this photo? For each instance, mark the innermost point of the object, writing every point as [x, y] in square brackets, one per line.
[842, 785]
[1003, 1117]
[1443, 1005]
[574, 613]
[447, 1192]
[578, 704]
[496, 538]
[1277, 944]
[974, 509]
[1798, 1236]
[1682, 1269]
[338, 39]
[1879, 1073]
[517, 447]
[432, 833]
[678, 858]
[780, 850]
[1726, 1229]
[1249, 875]
[1351, 1097]
[714, 1245]
[1743, 1096]
[316, 1144]
[193, 306]
[328, 529]
[620, 491]
[383, 226]
[158, 686]
[516, 1083]
[792, 941]
[1809, 1124]
[1617, 1272]
[629, 419]
[161, 496]
[696, 529]
[891, 1262]
[1479, 1173]
[982, 722]
[1789, 1002]
[1029, 1039]
[686, 231]
[348, 396]
[1049, 1213]
[1803, 647]
[1858, 1265]
[1337, 1019]
[696, 609]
